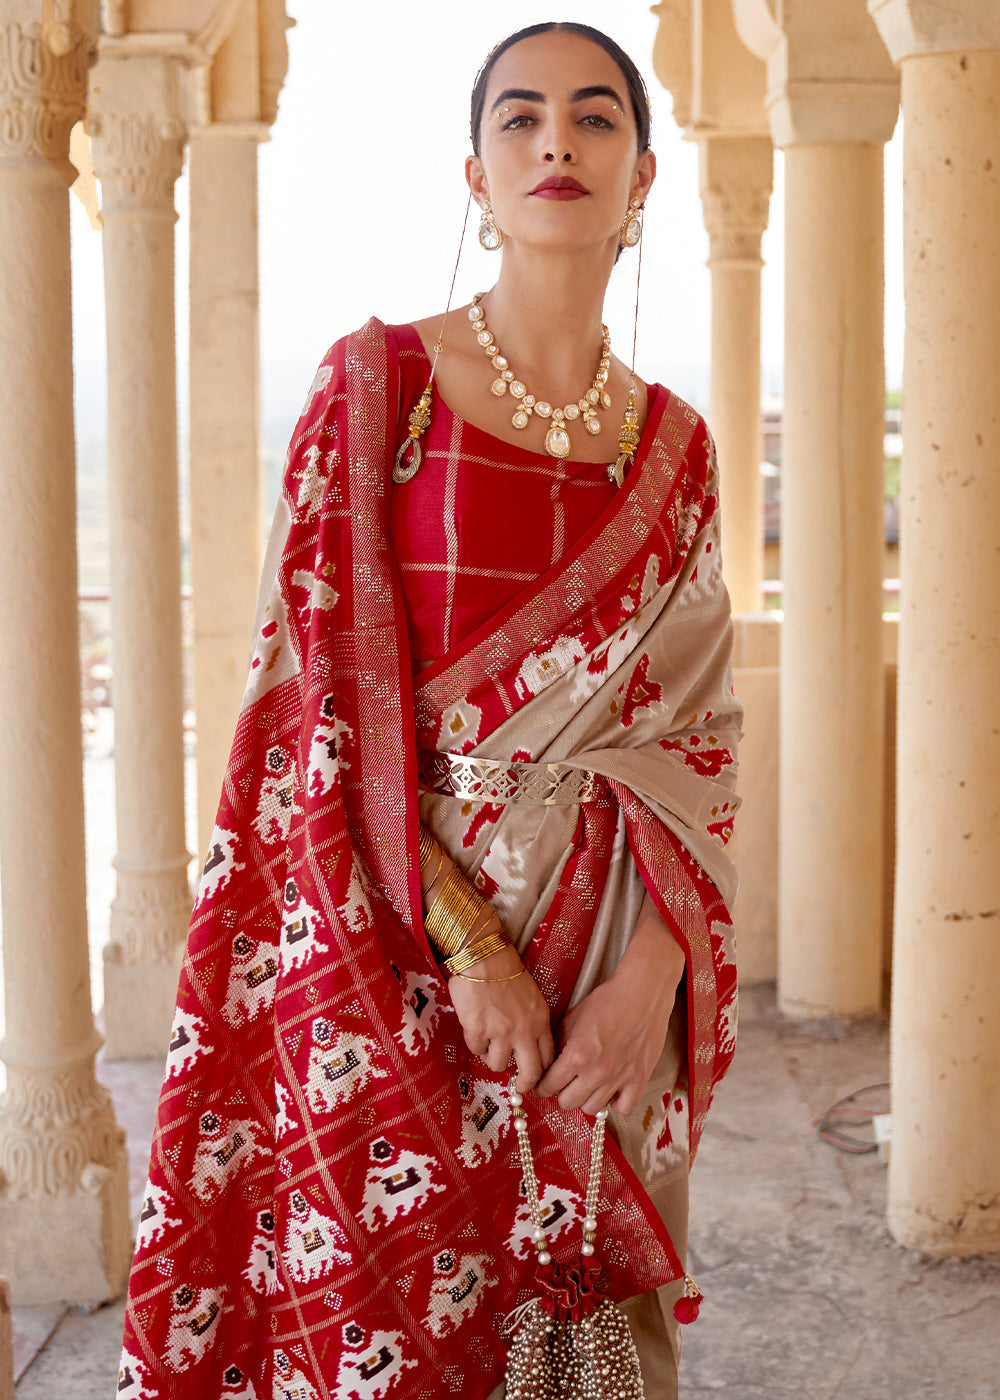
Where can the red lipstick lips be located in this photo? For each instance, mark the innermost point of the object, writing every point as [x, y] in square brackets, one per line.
[560, 187]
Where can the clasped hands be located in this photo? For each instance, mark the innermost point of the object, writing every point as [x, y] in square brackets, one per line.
[604, 1049]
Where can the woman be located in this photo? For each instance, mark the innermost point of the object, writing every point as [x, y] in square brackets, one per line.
[540, 657]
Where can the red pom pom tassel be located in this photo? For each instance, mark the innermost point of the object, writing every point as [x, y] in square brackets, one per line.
[686, 1308]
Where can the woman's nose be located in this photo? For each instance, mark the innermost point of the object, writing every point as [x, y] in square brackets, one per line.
[559, 147]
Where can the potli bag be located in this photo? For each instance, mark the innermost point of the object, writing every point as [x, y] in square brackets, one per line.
[572, 1341]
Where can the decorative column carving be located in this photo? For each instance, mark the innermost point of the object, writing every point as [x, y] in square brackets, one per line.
[736, 183]
[64, 1231]
[832, 99]
[944, 1179]
[138, 128]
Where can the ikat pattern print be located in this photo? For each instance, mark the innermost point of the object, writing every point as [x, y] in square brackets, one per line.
[334, 1205]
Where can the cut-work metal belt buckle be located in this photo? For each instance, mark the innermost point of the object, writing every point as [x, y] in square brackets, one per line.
[496, 781]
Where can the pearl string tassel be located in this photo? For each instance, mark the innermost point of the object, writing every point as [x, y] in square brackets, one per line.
[538, 1235]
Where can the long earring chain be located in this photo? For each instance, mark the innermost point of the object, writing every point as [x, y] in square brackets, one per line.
[420, 416]
[628, 439]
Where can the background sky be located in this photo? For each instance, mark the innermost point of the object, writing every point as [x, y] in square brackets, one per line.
[362, 196]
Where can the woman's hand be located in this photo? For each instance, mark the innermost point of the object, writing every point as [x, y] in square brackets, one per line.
[500, 1017]
[506, 1018]
[610, 1042]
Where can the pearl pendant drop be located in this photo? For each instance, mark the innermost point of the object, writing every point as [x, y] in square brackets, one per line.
[557, 441]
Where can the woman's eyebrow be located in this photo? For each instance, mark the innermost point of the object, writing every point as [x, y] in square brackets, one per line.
[598, 90]
[580, 95]
[518, 95]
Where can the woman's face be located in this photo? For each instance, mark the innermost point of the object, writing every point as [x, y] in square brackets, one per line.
[558, 149]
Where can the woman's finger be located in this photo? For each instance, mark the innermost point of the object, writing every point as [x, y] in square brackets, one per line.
[555, 1078]
[598, 1099]
[497, 1055]
[546, 1047]
[529, 1066]
[626, 1101]
[588, 1092]
[477, 1042]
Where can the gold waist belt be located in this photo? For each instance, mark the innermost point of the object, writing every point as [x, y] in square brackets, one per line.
[492, 780]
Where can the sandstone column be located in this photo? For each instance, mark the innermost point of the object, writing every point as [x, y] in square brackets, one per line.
[64, 1231]
[138, 130]
[226, 485]
[718, 90]
[736, 177]
[944, 1182]
[832, 99]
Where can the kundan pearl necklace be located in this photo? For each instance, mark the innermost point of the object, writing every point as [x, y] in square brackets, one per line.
[557, 443]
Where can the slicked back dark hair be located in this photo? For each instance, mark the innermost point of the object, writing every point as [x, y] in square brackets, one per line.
[638, 95]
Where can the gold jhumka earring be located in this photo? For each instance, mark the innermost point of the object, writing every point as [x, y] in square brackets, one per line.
[628, 437]
[404, 470]
[490, 233]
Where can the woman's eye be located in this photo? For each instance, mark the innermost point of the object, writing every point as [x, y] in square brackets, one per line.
[595, 119]
[516, 123]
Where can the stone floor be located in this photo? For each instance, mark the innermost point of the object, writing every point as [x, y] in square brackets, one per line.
[806, 1294]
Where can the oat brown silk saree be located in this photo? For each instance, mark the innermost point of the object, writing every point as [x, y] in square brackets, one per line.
[334, 1205]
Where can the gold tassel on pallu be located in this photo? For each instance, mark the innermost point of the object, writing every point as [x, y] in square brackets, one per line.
[420, 420]
[628, 439]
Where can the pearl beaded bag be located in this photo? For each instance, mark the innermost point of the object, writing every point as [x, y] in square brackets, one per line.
[571, 1341]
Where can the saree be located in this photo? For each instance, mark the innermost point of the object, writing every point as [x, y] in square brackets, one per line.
[334, 1205]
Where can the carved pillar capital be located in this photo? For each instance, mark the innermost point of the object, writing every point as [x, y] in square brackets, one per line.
[736, 182]
[910, 28]
[43, 90]
[138, 158]
[672, 54]
[139, 128]
[274, 22]
[829, 77]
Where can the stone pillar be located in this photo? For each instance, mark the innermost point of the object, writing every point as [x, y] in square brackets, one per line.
[226, 478]
[718, 90]
[736, 178]
[138, 141]
[944, 1181]
[832, 99]
[831, 792]
[64, 1231]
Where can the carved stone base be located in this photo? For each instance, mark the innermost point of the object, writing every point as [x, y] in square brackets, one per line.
[149, 919]
[139, 1000]
[71, 1249]
[64, 1220]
